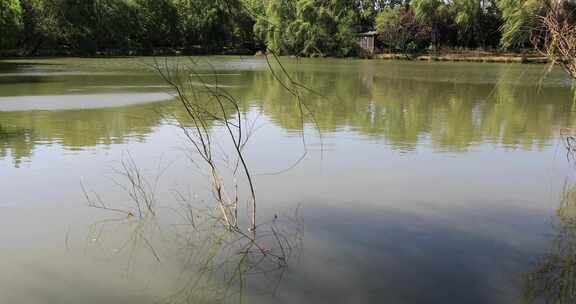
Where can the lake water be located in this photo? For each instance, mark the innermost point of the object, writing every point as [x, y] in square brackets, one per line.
[419, 183]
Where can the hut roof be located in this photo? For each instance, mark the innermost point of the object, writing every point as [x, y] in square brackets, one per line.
[370, 33]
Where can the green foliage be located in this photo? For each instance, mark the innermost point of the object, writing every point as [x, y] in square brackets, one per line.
[519, 20]
[41, 25]
[89, 27]
[427, 11]
[388, 19]
[216, 24]
[274, 25]
[475, 22]
[433, 13]
[159, 24]
[400, 30]
[467, 15]
[309, 28]
[289, 27]
[10, 23]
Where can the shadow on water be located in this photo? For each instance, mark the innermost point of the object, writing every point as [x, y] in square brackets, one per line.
[11, 73]
[553, 279]
[6, 67]
[24, 79]
[16, 72]
[376, 256]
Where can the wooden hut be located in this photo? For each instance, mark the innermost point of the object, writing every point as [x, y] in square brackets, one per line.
[366, 40]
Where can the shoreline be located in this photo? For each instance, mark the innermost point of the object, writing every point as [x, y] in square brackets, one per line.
[466, 56]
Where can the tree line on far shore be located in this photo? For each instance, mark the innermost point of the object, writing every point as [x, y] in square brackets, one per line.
[286, 27]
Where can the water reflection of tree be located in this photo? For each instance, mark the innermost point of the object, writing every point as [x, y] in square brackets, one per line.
[402, 107]
[16, 141]
[79, 129]
[75, 129]
[554, 278]
[454, 113]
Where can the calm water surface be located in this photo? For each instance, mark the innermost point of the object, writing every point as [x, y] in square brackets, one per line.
[429, 183]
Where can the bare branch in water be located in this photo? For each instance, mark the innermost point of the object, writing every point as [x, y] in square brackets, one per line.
[215, 243]
[568, 137]
[212, 105]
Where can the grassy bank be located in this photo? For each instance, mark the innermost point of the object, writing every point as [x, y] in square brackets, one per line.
[469, 56]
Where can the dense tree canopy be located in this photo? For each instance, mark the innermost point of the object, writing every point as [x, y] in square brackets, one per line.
[291, 27]
[310, 27]
[10, 22]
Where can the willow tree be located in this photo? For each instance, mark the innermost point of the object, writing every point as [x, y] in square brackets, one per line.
[549, 25]
[214, 25]
[519, 20]
[310, 27]
[271, 28]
